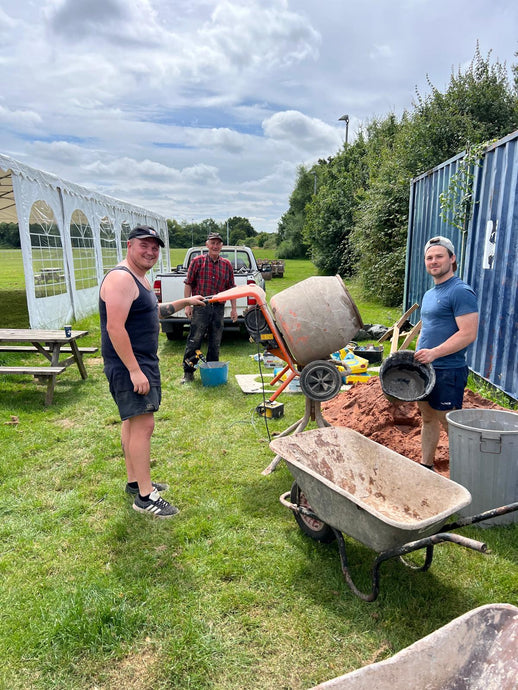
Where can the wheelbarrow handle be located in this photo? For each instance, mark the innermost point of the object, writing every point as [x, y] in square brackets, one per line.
[462, 541]
[486, 515]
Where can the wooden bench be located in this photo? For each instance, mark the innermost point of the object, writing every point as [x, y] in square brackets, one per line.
[49, 373]
[31, 348]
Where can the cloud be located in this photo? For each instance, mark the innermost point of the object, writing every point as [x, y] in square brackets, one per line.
[25, 120]
[297, 129]
[70, 17]
[222, 138]
[207, 108]
[80, 21]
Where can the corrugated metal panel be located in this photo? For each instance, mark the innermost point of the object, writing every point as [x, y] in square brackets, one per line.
[425, 222]
[488, 255]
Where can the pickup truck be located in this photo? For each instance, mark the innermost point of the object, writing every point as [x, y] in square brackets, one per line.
[170, 286]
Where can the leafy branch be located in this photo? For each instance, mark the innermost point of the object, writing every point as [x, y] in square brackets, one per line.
[456, 201]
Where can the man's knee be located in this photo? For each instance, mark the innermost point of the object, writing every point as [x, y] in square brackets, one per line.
[143, 424]
[428, 414]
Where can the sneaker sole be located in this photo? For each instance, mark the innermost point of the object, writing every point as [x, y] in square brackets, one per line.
[150, 511]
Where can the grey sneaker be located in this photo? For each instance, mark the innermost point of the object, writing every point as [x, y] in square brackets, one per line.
[188, 377]
[155, 505]
[156, 485]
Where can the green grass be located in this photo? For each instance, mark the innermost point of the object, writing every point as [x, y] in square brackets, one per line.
[230, 594]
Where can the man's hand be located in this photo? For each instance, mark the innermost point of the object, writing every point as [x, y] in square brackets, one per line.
[233, 314]
[425, 356]
[140, 382]
[192, 301]
[197, 301]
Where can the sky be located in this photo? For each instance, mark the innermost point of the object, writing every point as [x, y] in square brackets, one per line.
[200, 109]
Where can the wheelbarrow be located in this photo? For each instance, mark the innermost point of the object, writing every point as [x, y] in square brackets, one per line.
[345, 483]
[475, 650]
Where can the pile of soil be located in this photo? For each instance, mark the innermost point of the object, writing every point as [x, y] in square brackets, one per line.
[365, 409]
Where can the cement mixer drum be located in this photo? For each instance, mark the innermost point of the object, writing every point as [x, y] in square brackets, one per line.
[316, 317]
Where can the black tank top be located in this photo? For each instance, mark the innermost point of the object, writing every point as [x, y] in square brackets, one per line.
[143, 328]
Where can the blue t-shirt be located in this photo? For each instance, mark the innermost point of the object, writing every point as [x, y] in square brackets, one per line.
[439, 308]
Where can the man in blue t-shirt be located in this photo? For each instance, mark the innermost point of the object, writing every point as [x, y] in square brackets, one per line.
[449, 314]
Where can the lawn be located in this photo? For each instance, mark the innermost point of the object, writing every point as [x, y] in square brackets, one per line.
[228, 595]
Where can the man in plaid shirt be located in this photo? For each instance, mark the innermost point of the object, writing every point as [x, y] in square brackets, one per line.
[208, 274]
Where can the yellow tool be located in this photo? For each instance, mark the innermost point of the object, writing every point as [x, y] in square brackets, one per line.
[271, 410]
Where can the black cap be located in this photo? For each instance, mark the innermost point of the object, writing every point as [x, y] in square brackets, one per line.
[214, 236]
[145, 231]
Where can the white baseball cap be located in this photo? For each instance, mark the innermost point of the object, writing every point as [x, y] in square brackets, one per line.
[440, 241]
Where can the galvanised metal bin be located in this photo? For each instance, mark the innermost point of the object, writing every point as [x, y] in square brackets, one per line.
[484, 459]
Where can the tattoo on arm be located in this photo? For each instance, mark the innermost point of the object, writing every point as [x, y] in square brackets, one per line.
[166, 309]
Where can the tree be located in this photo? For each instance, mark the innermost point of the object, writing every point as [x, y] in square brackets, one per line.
[330, 214]
[358, 217]
[9, 235]
[178, 236]
[291, 238]
[240, 229]
[191, 234]
[478, 105]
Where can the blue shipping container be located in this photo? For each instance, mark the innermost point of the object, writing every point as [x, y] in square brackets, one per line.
[487, 254]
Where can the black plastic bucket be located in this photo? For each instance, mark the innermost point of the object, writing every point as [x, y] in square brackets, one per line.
[404, 379]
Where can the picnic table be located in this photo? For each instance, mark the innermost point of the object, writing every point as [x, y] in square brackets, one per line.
[52, 344]
[53, 274]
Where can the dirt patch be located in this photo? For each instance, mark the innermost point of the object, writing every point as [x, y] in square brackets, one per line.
[365, 409]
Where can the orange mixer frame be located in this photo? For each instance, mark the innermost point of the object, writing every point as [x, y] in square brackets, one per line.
[256, 294]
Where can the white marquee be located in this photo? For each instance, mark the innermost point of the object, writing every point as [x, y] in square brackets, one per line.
[70, 236]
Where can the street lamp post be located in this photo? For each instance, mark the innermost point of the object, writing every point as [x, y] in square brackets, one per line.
[315, 182]
[345, 118]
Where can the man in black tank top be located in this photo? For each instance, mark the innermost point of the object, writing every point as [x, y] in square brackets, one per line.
[128, 310]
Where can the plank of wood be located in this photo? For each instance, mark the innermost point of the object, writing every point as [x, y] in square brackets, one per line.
[49, 374]
[411, 335]
[31, 348]
[405, 316]
[34, 371]
[394, 342]
[390, 333]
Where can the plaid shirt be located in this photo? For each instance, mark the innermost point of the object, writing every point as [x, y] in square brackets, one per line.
[207, 277]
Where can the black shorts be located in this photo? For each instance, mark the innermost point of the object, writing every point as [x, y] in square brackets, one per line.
[448, 392]
[133, 404]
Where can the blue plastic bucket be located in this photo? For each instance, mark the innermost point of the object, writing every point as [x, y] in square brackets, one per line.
[213, 373]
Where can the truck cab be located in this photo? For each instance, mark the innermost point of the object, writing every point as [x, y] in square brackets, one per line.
[170, 286]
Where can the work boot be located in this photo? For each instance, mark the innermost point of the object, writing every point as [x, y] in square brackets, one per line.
[188, 377]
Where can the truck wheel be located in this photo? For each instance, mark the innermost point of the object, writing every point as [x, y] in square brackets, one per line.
[176, 333]
[316, 529]
[320, 380]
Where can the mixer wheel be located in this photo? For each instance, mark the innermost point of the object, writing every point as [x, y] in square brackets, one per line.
[320, 380]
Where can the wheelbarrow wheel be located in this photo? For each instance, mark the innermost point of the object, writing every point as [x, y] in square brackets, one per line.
[320, 380]
[316, 529]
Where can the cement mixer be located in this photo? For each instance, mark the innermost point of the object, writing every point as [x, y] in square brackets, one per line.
[306, 323]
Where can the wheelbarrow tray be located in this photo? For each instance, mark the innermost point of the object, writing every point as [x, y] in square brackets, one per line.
[366, 490]
[476, 651]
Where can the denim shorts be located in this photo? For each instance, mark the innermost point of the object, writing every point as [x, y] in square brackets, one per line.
[448, 392]
[133, 404]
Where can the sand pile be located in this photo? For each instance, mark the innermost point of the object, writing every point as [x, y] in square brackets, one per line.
[396, 426]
